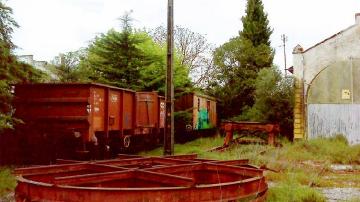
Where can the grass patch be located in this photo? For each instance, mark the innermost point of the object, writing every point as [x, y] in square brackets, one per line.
[7, 181]
[293, 192]
[333, 150]
[341, 180]
[302, 165]
[356, 199]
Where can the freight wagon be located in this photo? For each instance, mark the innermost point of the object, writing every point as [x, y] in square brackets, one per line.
[85, 120]
[195, 115]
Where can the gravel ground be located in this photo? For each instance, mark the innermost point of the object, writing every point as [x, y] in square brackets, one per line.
[340, 194]
[8, 198]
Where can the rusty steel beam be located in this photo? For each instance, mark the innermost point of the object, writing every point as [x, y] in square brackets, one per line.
[66, 161]
[233, 162]
[128, 156]
[93, 178]
[183, 157]
[38, 170]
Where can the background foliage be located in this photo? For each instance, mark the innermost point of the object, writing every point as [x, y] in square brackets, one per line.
[11, 70]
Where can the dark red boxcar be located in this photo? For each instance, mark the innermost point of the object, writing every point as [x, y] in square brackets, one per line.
[150, 112]
[195, 115]
[84, 119]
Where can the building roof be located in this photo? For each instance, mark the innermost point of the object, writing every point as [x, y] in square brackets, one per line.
[331, 37]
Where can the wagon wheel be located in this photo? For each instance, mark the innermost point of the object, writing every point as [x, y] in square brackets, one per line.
[127, 141]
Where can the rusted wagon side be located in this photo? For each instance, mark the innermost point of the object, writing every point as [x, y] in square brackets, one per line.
[81, 120]
[149, 119]
[196, 115]
[149, 107]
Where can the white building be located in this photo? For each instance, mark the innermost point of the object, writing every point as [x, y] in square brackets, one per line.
[29, 59]
[327, 96]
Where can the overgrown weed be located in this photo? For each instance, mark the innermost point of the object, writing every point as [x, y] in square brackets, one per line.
[7, 181]
[292, 192]
[300, 165]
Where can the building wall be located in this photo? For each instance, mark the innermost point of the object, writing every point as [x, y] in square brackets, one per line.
[342, 47]
[327, 120]
[323, 74]
[29, 59]
[334, 102]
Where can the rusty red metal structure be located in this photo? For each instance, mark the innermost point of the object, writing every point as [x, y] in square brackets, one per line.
[84, 120]
[134, 178]
[231, 126]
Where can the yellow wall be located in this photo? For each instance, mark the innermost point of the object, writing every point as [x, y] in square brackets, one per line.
[299, 119]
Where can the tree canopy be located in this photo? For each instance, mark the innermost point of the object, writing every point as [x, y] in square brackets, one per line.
[68, 67]
[7, 25]
[11, 70]
[240, 59]
[193, 50]
[274, 100]
[131, 59]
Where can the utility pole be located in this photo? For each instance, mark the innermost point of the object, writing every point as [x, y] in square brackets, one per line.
[169, 125]
[284, 40]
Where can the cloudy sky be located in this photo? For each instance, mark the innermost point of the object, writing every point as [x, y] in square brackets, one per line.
[49, 27]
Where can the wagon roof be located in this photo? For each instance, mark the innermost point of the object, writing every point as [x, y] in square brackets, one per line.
[204, 96]
[74, 84]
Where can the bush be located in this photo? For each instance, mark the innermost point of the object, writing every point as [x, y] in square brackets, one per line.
[274, 98]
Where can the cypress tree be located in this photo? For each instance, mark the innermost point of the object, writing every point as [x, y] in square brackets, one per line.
[240, 59]
[256, 37]
[255, 24]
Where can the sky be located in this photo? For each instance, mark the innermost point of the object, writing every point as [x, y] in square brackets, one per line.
[50, 27]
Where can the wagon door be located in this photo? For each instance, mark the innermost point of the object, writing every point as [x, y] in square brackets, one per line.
[114, 110]
[98, 109]
[146, 112]
[128, 111]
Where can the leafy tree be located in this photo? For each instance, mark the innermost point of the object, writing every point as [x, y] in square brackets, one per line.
[131, 59]
[67, 67]
[116, 57]
[11, 70]
[7, 25]
[153, 76]
[193, 50]
[274, 99]
[239, 60]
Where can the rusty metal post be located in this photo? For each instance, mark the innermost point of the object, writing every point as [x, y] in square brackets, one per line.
[271, 138]
[229, 134]
[169, 129]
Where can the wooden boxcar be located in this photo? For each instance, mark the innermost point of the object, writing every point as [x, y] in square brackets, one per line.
[84, 120]
[195, 115]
